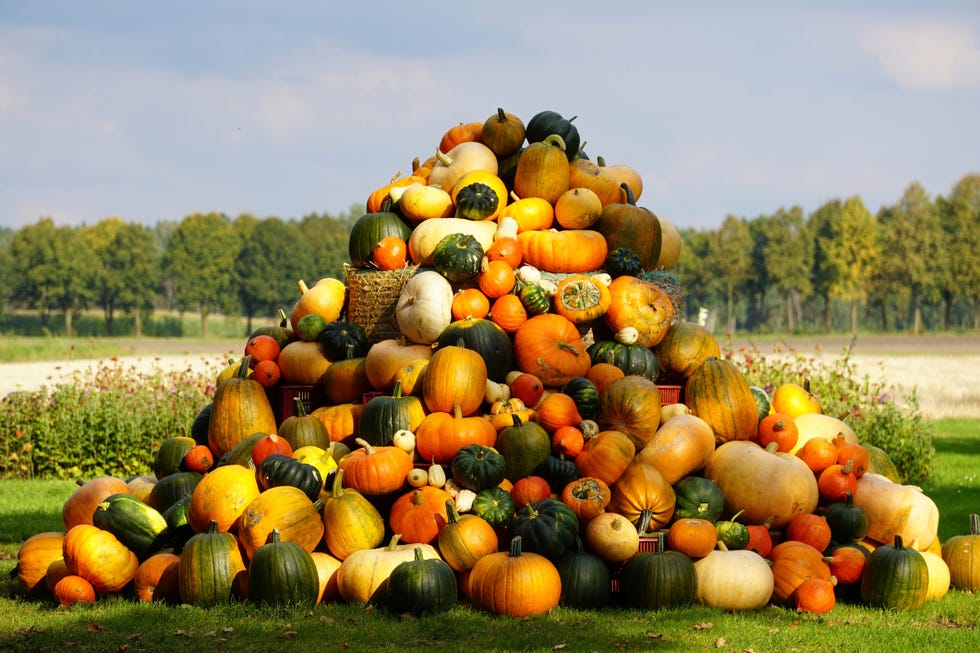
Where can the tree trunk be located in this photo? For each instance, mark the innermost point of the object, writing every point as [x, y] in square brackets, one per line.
[204, 322]
[138, 322]
[976, 312]
[916, 312]
[731, 309]
[854, 317]
[790, 317]
[68, 323]
[827, 322]
[947, 310]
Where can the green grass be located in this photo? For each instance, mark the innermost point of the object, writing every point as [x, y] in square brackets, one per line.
[122, 624]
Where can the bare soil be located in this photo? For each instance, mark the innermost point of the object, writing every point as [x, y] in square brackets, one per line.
[944, 370]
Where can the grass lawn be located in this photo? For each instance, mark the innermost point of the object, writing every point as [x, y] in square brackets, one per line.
[122, 624]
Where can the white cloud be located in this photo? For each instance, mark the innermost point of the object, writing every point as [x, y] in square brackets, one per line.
[925, 55]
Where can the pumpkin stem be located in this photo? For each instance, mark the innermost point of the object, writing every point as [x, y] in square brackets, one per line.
[419, 554]
[396, 393]
[452, 511]
[501, 115]
[898, 543]
[515, 547]
[368, 449]
[303, 288]
[300, 407]
[283, 319]
[393, 543]
[457, 412]
[443, 158]
[568, 347]
[338, 483]
[244, 367]
[974, 524]
[556, 141]
[630, 198]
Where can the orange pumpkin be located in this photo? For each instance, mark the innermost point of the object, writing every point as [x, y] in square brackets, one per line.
[375, 470]
[643, 488]
[98, 557]
[550, 347]
[530, 214]
[72, 589]
[35, 555]
[556, 410]
[508, 313]
[631, 405]
[642, 305]
[455, 377]
[542, 170]
[583, 173]
[441, 435]
[340, 420]
[464, 132]
[158, 578]
[566, 251]
[419, 514]
[582, 298]
[606, 456]
[718, 393]
[587, 497]
[578, 208]
[470, 302]
[222, 496]
[80, 506]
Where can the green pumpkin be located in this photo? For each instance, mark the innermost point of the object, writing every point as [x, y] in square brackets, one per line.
[169, 457]
[421, 586]
[732, 533]
[623, 261]
[761, 400]
[281, 332]
[241, 454]
[309, 327]
[634, 360]
[477, 467]
[495, 505]
[524, 445]
[881, 463]
[586, 583]
[895, 577]
[652, 580]
[547, 527]
[847, 522]
[178, 524]
[302, 430]
[698, 498]
[458, 257]
[384, 416]
[476, 201]
[535, 299]
[484, 337]
[342, 340]
[544, 123]
[369, 229]
[585, 395]
[278, 469]
[171, 489]
[209, 565]
[283, 574]
[199, 427]
[140, 527]
[558, 471]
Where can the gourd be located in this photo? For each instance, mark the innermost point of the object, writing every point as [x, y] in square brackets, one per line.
[632, 359]
[895, 577]
[169, 456]
[419, 514]
[279, 470]
[375, 470]
[893, 509]
[685, 346]
[362, 574]
[962, 554]
[385, 415]
[581, 298]
[221, 497]
[640, 304]
[34, 557]
[631, 405]
[515, 582]
[718, 393]
[606, 455]
[461, 159]
[547, 527]
[421, 586]
[209, 565]
[542, 170]
[283, 574]
[697, 497]
[285, 508]
[586, 582]
[550, 347]
[544, 123]
[503, 133]
[240, 407]
[612, 537]
[387, 357]
[464, 539]
[99, 557]
[157, 578]
[371, 228]
[524, 446]
[652, 580]
[479, 195]
[642, 493]
[740, 468]
[478, 467]
[325, 298]
[138, 526]
[455, 377]
[681, 446]
[424, 307]
[489, 340]
[351, 522]
[458, 257]
[734, 580]
[624, 224]
[565, 251]
[441, 435]
[84, 499]
[426, 236]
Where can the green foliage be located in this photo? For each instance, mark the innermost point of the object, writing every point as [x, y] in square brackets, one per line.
[871, 407]
[108, 420]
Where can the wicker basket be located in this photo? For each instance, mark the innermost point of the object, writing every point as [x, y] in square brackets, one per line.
[372, 296]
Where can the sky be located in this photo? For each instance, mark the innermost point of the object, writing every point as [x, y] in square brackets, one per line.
[151, 111]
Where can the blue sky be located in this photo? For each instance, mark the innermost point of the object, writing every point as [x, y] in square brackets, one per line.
[151, 111]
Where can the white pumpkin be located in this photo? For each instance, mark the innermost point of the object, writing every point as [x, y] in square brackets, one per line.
[895, 509]
[818, 425]
[734, 580]
[938, 576]
[424, 307]
[427, 234]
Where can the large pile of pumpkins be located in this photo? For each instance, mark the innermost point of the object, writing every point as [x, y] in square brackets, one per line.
[519, 446]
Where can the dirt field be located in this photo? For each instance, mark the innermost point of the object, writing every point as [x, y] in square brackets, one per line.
[944, 370]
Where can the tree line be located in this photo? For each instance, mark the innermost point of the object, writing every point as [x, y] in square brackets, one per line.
[912, 266]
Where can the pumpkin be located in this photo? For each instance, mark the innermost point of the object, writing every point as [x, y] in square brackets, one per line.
[469, 302]
[586, 583]
[383, 416]
[484, 337]
[424, 307]
[169, 456]
[99, 557]
[581, 298]
[643, 488]
[530, 214]
[386, 357]
[458, 257]
[420, 202]
[847, 522]
[606, 456]
[794, 400]
[456, 377]
[895, 577]
[427, 234]
[464, 539]
[642, 305]
[547, 527]
[811, 426]
[880, 463]
[652, 580]
[612, 537]
[340, 420]
[477, 466]
[375, 470]
[811, 529]
[587, 497]
[685, 346]
[587, 174]
[558, 472]
[515, 583]
[464, 132]
[141, 528]
[550, 347]
[285, 508]
[586, 397]
[283, 574]
[72, 589]
[351, 522]
[278, 470]
[692, 536]
[421, 586]
[544, 123]
[962, 554]
[479, 195]
[171, 489]
[441, 435]
[897, 510]
[671, 243]
[718, 393]
[34, 557]
[369, 229]
[326, 569]
[459, 160]
[81, 504]
[816, 595]
[740, 468]
[542, 170]
[534, 298]
[158, 578]
[624, 224]
[325, 299]
[495, 505]
[524, 446]
[939, 576]
[631, 405]
[363, 575]
[419, 514]
[503, 133]
[681, 446]
[734, 580]
[240, 407]
[565, 251]
[697, 497]
[632, 359]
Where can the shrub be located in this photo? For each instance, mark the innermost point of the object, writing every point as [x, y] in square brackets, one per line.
[871, 407]
[109, 420]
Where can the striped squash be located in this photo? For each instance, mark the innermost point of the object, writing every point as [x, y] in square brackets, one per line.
[718, 393]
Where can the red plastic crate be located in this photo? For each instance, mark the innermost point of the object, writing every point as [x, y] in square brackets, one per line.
[669, 394]
[282, 398]
[646, 544]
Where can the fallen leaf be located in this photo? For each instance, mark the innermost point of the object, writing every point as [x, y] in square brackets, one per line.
[558, 647]
[704, 625]
[135, 636]
[720, 642]
[93, 627]
[289, 634]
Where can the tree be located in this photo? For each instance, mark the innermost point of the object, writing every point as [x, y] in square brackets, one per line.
[200, 263]
[273, 259]
[759, 282]
[327, 238]
[700, 288]
[825, 270]
[730, 256]
[854, 252]
[788, 257]
[911, 235]
[133, 261]
[960, 218]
